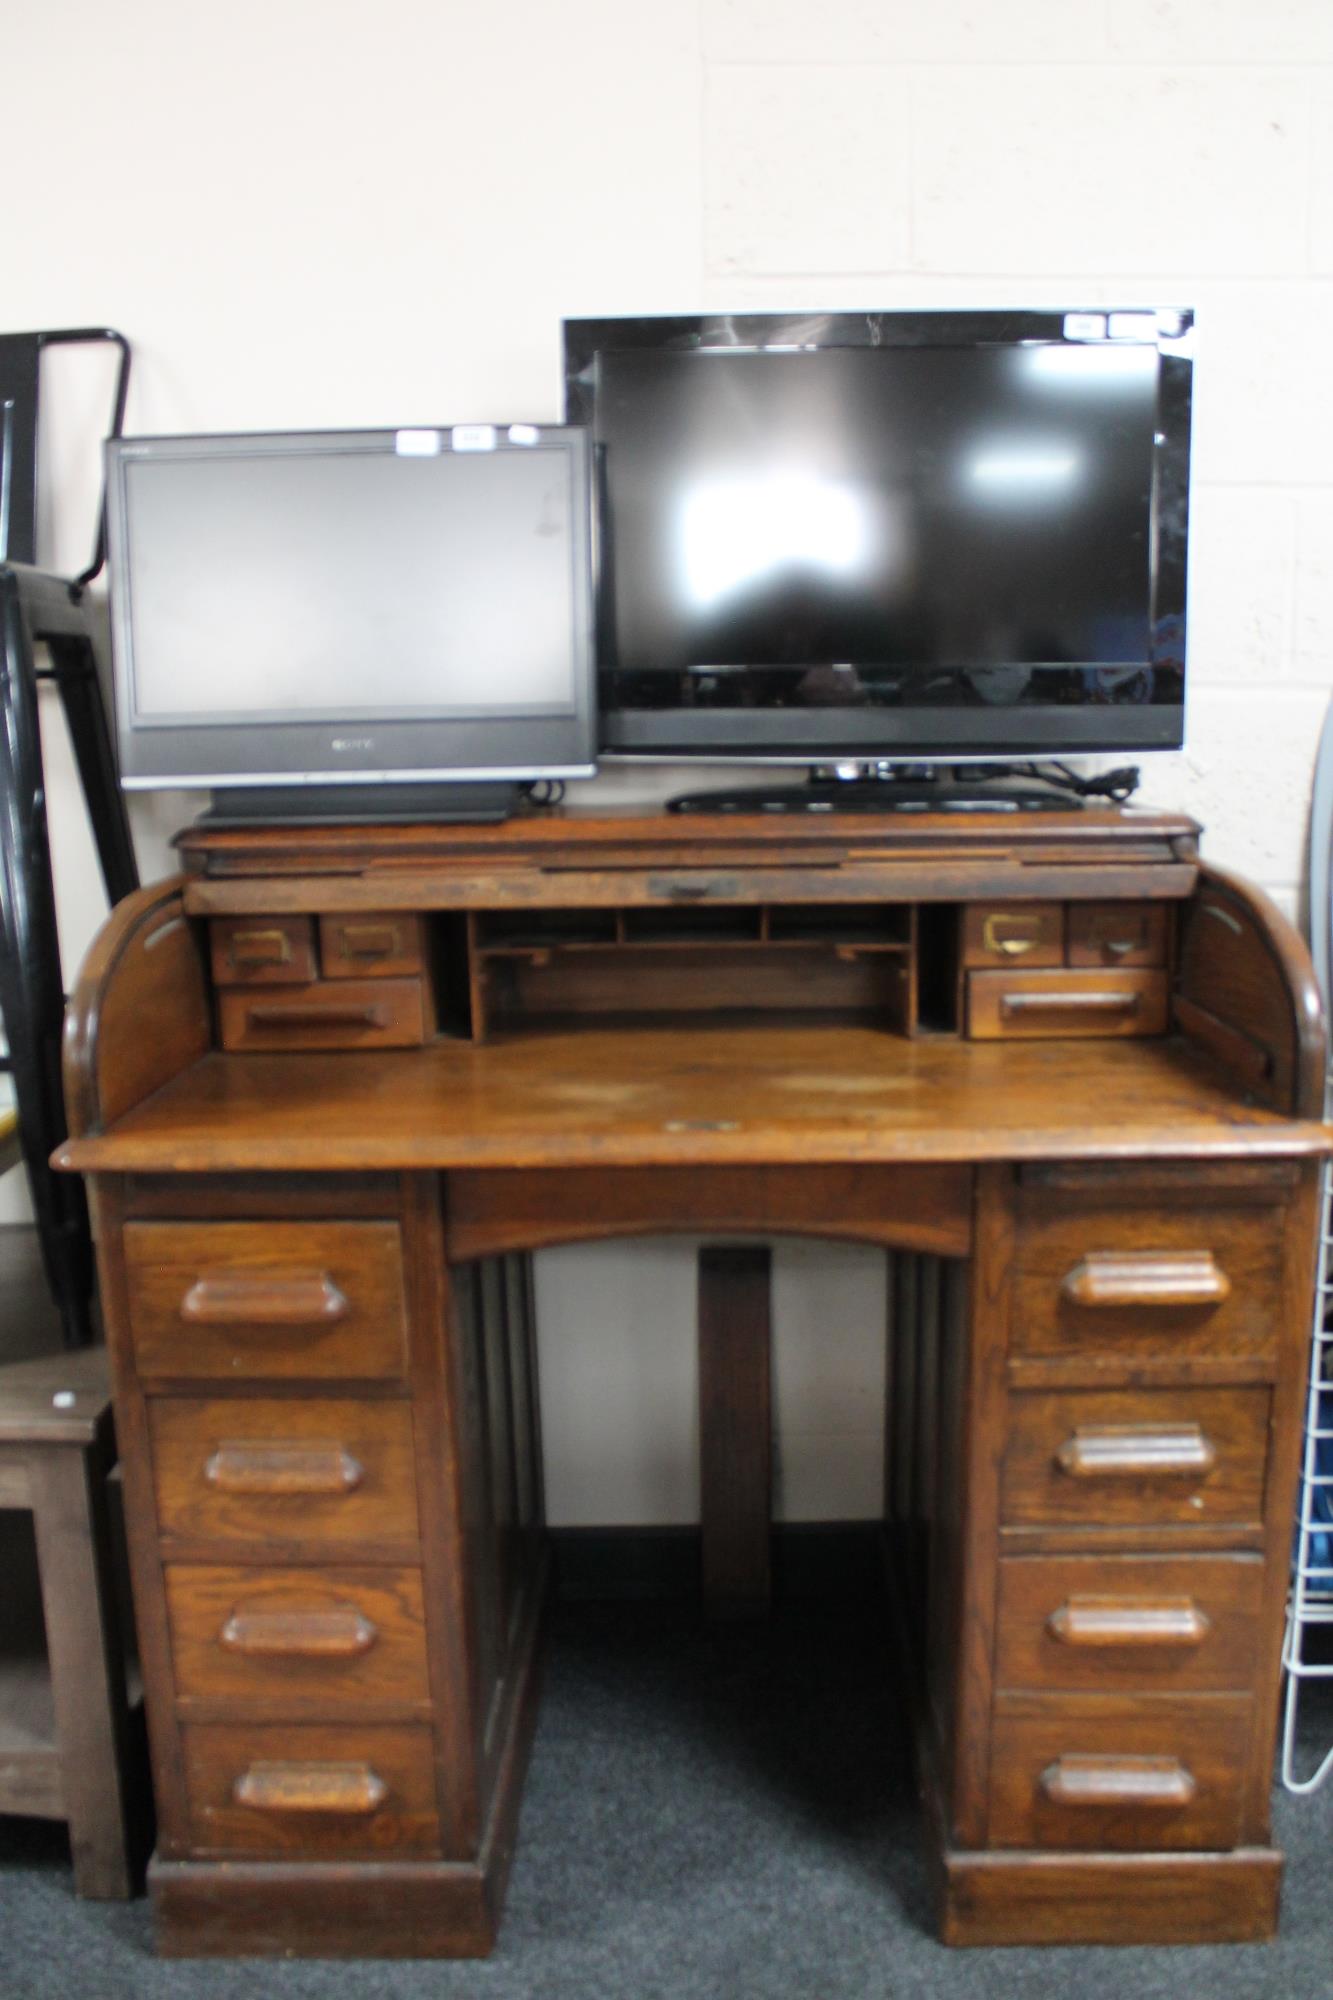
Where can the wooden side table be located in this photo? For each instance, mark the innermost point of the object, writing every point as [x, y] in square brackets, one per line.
[68, 1739]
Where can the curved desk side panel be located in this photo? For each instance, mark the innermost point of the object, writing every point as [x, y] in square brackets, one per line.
[1247, 993]
[140, 1011]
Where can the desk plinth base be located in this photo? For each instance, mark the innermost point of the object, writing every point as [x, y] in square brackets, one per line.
[292, 1909]
[1030, 1898]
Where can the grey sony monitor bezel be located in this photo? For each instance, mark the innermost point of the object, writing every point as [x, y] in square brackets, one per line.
[347, 748]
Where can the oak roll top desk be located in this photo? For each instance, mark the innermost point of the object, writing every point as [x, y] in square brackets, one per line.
[333, 1087]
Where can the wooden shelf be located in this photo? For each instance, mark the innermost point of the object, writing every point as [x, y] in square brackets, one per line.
[29, 1752]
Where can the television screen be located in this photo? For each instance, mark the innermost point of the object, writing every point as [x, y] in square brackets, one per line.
[861, 535]
[340, 606]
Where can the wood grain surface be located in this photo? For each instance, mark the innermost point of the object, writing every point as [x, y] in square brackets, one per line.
[753, 1092]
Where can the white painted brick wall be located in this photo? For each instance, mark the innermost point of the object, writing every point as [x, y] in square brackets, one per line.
[314, 214]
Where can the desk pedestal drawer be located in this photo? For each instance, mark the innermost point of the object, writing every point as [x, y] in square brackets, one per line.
[1109, 1458]
[1152, 1282]
[236, 1300]
[1132, 1622]
[260, 1470]
[311, 1790]
[1116, 1771]
[316, 1638]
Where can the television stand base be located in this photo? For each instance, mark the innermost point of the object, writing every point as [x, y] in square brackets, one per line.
[340, 805]
[884, 795]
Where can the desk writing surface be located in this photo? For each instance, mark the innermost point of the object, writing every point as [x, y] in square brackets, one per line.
[753, 1091]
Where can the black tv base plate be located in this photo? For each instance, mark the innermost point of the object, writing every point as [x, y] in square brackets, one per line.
[883, 795]
[405, 804]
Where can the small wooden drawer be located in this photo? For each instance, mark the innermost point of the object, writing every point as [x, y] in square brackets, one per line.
[1024, 934]
[1007, 1006]
[301, 1639]
[332, 1014]
[1161, 1456]
[283, 1473]
[1131, 1622]
[232, 1301]
[1118, 1771]
[312, 1789]
[1148, 1282]
[1116, 934]
[262, 951]
[370, 947]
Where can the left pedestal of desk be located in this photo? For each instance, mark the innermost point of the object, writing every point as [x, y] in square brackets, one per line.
[334, 1510]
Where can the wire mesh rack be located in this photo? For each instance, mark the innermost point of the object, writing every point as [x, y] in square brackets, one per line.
[1308, 1649]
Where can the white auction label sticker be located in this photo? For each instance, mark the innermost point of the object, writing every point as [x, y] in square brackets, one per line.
[418, 444]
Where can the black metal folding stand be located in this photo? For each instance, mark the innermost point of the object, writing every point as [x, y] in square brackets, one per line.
[39, 609]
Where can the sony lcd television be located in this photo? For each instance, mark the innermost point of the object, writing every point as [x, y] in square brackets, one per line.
[888, 536]
[310, 622]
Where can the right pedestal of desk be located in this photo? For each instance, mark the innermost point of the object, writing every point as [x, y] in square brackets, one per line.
[1092, 1443]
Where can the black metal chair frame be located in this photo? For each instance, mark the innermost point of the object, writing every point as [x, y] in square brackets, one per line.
[38, 609]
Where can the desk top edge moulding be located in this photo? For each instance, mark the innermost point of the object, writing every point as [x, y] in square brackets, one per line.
[332, 1087]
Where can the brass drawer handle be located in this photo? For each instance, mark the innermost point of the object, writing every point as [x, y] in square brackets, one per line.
[266, 947]
[300, 1014]
[336, 1631]
[293, 1298]
[242, 1467]
[1137, 1451]
[994, 939]
[1147, 1278]
[1091, 1001]
[310, 1788]
[1129, 1621]
[1118, 1781]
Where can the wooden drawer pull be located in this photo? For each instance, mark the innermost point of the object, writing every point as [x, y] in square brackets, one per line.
[311, 1788]
[1091, 1001]
[295, 1298]
[299, 1014]
[368, 940]
[1147, 1278]
[266, 947]
[1129, 1621]
[1136, 1451]
[1117, 1781]
[336, 1631]
[241, 1467]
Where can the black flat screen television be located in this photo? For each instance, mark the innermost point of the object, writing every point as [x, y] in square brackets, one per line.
[313, 621]
[888, 536]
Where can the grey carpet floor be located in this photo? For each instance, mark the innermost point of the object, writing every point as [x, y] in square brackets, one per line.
[710, 1816]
